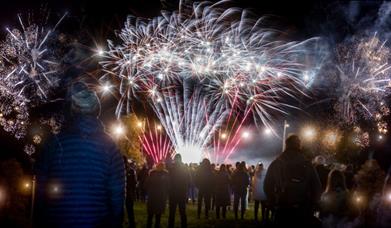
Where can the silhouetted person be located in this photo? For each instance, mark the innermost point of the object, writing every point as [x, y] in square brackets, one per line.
[141, 177]
[292, 186]
[80, 172]
[179, 184]
[259, 195]
[156, 186]
[334, 202]
[223, 193]
[321, 170]
[192, 187]
[204, 180]
[131, 188]
[240, 182]
[213, 196]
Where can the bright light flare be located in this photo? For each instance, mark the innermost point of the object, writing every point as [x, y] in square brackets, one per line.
[267, 131]
[388, 197]
[118, 130]
[100, 51]
[246, 135]
[309, 133]
[55, 189]
[27, 185]
[106, 88]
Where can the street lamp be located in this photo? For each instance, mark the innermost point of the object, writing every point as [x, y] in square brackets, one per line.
[286, 125]
[309, 133]
[118, 130]
[267, 131]
[2, 196]
[100, 51]
[245, 134]
[27, 185]
[388, 197]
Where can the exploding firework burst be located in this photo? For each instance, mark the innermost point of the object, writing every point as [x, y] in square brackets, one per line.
[29, 61]
[363, 72]
[200, 64]
[29, 73]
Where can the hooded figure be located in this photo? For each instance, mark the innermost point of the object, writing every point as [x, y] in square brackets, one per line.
[80, 172]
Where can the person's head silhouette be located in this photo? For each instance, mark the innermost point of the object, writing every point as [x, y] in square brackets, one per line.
[293, 142]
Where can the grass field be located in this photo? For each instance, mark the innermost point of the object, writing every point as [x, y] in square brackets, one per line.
[141, 218]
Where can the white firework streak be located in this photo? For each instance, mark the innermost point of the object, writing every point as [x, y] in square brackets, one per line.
[225, 51]
[190, 119]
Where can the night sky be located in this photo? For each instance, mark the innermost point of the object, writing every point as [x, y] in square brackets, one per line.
[98, 19]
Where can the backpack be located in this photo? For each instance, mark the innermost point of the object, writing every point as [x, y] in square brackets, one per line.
[293, 184]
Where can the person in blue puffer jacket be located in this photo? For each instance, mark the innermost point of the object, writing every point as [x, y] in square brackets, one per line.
[80, 172]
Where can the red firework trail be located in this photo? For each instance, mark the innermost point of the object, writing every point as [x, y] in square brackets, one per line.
[156, 144]
[230, 135]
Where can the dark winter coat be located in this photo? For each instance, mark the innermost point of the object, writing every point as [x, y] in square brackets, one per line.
[204, 180]
[179, 182]
[156, 186]
[291, 181]
[240, 181]
[222, 189]
[80, 178]
[131, 183]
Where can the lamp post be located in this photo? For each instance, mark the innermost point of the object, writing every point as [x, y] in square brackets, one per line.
[32, 198]
[286, 125]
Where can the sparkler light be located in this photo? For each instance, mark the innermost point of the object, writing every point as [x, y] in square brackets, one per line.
[199, 64]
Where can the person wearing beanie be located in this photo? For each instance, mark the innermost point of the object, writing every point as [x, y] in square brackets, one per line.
[80, 172]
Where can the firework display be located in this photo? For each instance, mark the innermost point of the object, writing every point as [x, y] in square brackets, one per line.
[156, 144]
[29, 73]
[198, 64]
[209, 73]
[363, 73]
